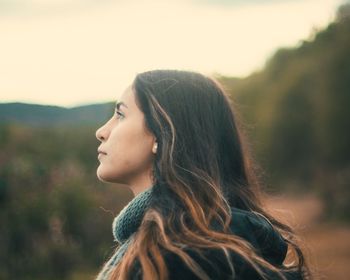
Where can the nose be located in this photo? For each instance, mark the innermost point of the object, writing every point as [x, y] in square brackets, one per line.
[101, 133]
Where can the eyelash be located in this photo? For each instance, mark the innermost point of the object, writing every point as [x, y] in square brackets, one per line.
[118, 114]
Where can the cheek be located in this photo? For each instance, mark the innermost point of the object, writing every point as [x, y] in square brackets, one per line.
[131, 144]
[129, 153]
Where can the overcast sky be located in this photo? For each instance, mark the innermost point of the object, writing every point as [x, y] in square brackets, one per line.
[74, 52]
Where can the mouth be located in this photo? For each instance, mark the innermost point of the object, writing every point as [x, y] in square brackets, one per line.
[100, 152]
[100, 155]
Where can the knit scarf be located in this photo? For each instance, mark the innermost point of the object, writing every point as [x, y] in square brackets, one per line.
[124, 228]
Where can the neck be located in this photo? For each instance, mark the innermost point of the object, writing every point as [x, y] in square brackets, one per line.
[140, 184]
[139, 189]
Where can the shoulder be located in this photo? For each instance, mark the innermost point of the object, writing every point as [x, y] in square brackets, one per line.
[260, 233]
[216, 266]
[253, 228]
[211, 261]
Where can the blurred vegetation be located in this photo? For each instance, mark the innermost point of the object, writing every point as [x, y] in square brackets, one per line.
[53, 222]
[297, 113]
[52, 213]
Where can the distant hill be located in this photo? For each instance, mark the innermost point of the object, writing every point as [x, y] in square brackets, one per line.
[43, 115]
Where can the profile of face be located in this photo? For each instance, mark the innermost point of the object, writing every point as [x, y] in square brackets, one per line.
[127, 149]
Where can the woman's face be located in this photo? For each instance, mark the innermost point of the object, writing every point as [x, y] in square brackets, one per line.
[126, 146]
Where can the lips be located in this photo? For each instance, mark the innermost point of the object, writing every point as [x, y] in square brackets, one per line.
[99, 151]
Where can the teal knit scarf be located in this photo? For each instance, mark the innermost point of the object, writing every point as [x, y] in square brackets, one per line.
[124, 227]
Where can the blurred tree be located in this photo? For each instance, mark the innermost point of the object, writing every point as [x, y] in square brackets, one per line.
[296, 112]
[52, 223]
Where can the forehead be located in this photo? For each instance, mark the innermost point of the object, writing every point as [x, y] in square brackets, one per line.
[127, 98]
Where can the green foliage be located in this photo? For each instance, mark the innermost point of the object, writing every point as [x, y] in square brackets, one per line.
[51, 203]
[297, 113]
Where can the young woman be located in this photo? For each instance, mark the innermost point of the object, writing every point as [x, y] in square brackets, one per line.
[197, 211]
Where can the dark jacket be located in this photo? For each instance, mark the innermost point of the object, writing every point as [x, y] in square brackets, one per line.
[253, 228]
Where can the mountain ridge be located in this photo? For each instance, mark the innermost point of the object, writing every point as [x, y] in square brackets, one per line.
[38, 115]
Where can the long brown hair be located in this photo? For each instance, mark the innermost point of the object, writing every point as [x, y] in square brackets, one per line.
[201, 169]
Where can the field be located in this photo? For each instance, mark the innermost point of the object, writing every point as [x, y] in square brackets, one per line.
[327, 245]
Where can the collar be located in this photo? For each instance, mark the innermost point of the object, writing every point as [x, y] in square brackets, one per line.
[130, 217]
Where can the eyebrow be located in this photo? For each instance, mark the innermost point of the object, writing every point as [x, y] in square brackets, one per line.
[119, 104]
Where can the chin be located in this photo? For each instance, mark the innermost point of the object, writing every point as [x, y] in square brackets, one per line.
[107, 177]
[103, 176]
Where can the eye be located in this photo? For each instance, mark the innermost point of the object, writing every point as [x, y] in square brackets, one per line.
[119, 114]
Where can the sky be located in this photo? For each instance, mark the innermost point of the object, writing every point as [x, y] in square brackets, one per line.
[78, 52]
